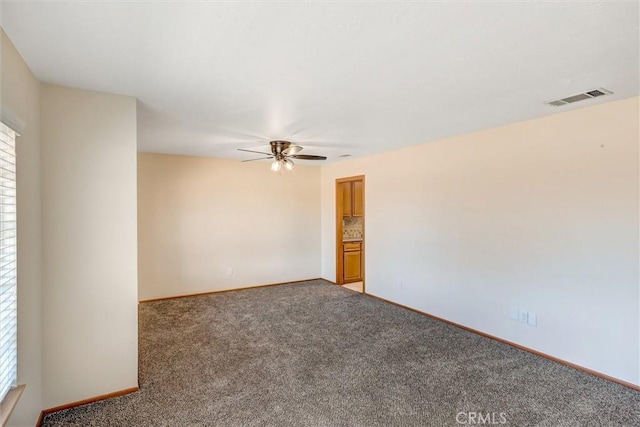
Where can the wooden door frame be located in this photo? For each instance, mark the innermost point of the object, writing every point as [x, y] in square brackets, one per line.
[339, 245]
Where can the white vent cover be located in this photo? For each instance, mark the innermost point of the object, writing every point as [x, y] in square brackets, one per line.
[579, 97]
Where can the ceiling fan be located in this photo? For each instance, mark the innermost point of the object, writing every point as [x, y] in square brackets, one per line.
[282, 153]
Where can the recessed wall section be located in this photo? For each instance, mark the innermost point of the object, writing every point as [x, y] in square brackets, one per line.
[212, 224]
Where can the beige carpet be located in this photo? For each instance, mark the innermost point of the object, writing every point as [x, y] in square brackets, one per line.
[315, 354]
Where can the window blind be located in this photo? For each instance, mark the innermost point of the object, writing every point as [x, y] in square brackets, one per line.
[8, 282]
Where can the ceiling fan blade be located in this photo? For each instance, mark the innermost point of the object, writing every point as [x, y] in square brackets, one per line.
[291, 150]
[308, 157]
[261, 158]
[251, 151]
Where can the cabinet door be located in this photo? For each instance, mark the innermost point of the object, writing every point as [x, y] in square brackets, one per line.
[352, 266]
[358, 199]
[346, 199]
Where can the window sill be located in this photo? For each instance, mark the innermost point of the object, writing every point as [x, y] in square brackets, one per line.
[9, 402]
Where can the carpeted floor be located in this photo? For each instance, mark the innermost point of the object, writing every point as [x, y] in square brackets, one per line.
[314, 354]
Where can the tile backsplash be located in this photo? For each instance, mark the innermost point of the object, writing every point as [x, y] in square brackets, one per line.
[351, 227]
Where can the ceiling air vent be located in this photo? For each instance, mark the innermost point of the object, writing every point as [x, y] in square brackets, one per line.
[579, 97]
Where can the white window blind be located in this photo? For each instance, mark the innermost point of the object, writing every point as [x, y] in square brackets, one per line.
[8, 300]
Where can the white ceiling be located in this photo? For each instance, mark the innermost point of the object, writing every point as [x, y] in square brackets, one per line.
[337, 77]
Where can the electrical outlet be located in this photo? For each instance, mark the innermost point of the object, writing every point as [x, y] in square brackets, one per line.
[532, 319]
[230, 272]
[523, 316]
[514, 314]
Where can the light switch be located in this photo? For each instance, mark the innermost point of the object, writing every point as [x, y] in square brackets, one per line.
[523, 316]
[532, 319]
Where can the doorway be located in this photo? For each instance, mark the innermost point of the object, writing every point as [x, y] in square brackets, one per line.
[350, 241]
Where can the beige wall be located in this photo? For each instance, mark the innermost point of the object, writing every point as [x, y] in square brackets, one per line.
[198, 217]
[20, 98]
[540, 215]
[89, 287]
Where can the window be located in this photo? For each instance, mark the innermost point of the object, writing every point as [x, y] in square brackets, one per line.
[8, 281]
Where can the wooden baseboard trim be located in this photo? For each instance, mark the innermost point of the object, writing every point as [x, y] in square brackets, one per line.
[118, 393]
[227, 290]
[518, 346]
[329, 281]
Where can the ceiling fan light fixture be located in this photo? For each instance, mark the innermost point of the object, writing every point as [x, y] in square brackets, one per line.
[283, 153]
[276, 165]
[288, 164]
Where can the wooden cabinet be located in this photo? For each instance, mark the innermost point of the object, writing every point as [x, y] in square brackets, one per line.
[352, 262]
[347, 199]
[352, 246]
[350, 265]
[357, 198]
[352, 198]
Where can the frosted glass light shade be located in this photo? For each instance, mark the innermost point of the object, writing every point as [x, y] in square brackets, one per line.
[276, 166]
[288, 164]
